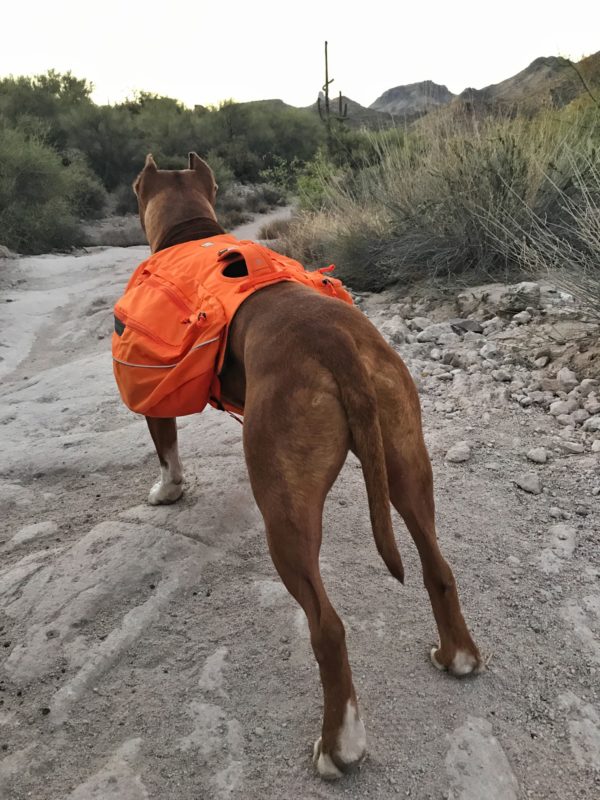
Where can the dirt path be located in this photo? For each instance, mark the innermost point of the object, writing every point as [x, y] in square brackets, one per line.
[153, 653]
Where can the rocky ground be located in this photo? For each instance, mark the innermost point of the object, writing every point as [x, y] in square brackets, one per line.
[153, 653]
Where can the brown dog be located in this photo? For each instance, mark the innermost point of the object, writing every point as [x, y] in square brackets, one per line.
[315, 379]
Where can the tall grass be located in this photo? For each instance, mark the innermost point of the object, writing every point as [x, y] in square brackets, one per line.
[567, 250]
[460, 198]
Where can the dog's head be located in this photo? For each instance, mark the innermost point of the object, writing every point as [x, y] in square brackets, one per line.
[168, 197]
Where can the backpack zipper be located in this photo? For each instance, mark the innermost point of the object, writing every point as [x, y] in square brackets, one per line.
[171, 292]
[141, 328]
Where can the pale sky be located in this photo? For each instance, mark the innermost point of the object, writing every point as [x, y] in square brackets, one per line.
[202, 52]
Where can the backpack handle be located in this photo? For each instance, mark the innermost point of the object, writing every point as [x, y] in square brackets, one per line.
[257, 258]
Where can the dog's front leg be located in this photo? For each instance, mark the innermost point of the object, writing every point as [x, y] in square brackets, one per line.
[169, 487]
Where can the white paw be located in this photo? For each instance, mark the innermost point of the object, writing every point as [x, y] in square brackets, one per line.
[352, 741]
[164, 493]
[463, 663]
[351, 747]
[325, 766]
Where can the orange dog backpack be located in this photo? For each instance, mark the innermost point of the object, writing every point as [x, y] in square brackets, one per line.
[171, 324]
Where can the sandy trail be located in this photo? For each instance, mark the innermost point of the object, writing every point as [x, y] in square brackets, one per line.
[153, 653]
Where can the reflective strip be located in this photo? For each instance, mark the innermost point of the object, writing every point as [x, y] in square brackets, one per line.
[210, 341]
[164, 366]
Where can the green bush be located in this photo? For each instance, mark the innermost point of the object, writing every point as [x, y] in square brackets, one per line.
[41, 199]
[123, 200]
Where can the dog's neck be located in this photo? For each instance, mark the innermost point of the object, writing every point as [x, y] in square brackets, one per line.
[189, 230]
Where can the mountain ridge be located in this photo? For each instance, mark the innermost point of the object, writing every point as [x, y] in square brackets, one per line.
[548, 81]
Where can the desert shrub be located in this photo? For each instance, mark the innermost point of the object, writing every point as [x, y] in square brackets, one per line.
[223, 172]
[231, 208]
[123, 200]
[447, 201]
[43, 104]
[87, 195]
[316, 182]
[283, 174]
[261, 197]
[41, 199]
[275, 229]
[111, 141]
[566, 249]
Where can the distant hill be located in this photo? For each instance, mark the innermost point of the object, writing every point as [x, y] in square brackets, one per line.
[413, 100]
[547, 82]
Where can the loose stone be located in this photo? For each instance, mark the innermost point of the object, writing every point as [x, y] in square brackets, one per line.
[539, 455]
[458, 453]
[530, 482]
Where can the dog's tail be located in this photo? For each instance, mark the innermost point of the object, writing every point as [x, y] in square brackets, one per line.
[360, 404]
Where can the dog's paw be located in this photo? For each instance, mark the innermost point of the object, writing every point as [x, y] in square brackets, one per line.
[163, 493]
[325, 766]
[350, 749]
[463, 663]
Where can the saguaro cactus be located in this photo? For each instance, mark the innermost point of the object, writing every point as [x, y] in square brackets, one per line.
[325, 112]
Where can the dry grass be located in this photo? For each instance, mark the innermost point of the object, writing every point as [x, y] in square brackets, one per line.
[275, 229]
[456, 200]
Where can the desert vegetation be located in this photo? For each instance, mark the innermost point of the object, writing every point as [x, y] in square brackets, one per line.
[470, 190]
[65, 159]
[463, 196]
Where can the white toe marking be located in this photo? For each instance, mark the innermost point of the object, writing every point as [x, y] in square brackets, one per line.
[463, 663]
[434, 660]
[163, 492]
[325, 766]
[169, 487]
[352, 740]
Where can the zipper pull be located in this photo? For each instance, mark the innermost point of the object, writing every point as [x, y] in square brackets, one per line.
[198, 318]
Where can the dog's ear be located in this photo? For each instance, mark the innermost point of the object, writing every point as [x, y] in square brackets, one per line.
[197, 163]
[149, 166]
[205, 175]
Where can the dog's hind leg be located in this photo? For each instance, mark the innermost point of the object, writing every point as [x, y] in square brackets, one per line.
[293, 461]
[169, 487]
[342, 744]
[410, 483]
[411, 492]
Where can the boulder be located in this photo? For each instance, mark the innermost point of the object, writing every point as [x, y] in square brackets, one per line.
[463, 325]
[519, 297]
[468, 302]
[6, 253]
[459, 452]
[432, 332]
[592, 424]
[567, 379]
[580, 416]
[561, 407]
[539, 455]
[394, 330]
[587, 386]
[530, 483]
[501, 375]
[574, 448]
[419, 323]
[592, 405]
